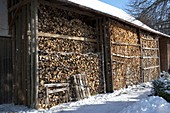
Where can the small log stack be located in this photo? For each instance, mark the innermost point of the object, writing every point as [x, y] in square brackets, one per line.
[125, 55]
[60, 58]
[150, 56]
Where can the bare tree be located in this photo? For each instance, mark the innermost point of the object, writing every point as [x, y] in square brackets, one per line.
[154, 13]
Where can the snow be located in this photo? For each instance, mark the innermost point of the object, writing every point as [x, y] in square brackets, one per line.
[153, 104]
[115, 12]
[133, 99]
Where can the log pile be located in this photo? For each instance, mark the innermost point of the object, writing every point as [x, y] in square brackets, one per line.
[58, 67]
[150, 52]
[119, 33]
[151, 74]
[58, 21]
[61, 58]
[66, 45]
[126, 50]
[150, 57]
[149, 62]
[126, 55]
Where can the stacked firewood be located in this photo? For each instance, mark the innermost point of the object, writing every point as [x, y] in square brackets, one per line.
[148, 41]
[66, 45]
[151, 74]
[58, 67]
[122, 33]
[149, 62]
[125, 55]
[125, 72]
[150, 54]
[60, 58]
[126, 50]
[58, 21]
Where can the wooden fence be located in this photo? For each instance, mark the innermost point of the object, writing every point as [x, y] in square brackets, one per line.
[6, 77]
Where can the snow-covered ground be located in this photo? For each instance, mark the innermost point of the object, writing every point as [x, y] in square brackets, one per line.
[134, 99]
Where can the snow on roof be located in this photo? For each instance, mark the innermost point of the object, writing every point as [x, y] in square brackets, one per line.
[115, 12]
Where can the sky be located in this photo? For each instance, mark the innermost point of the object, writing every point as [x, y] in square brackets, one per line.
[117, 3]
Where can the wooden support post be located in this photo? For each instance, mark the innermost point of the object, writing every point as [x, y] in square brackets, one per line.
[34, 35]
[107, 52]
[159, 57]
[141, 60]
[29, 74]
[102, 52]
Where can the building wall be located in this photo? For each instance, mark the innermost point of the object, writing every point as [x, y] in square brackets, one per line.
[3, 18]
[163, 54]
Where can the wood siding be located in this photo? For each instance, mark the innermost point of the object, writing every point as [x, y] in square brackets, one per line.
[6, 75]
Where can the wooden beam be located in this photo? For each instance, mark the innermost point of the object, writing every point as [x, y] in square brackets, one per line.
[147, 48]
[148, 39]
[124, 56]
[102, 53]
[66, 37]
[141, 59]
[57, 90]
[151, 67]
[20, 4]
[108, 62]
[56, 84]
[124, 44]
[34, 36]
[145, 57]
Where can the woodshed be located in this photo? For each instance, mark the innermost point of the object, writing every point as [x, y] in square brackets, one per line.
[66, 50]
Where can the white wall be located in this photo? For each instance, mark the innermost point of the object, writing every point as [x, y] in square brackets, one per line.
[3, 18]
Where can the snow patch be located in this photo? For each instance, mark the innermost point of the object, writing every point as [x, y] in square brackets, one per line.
[152, 104]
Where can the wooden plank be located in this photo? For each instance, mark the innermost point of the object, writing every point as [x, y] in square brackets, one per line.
[47, 95]
[56, 85]
[102, 54]
[66, 37]
[151, 67]
[86, 86]
[16, 61]
[124, 56]
[77, 88]
[147, 48]
[124, 44]
[28, 58]
[34, 36]
[24, 47]
[108, 64]
[19, 59]
[57, 90]
[148, 39]
[159, 59]
[82, 86]
[141, 59]
[145, 57]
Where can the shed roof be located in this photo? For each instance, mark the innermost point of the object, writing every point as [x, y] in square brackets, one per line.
[115, 13]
